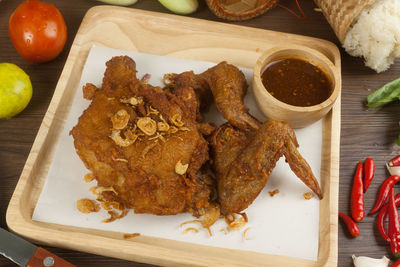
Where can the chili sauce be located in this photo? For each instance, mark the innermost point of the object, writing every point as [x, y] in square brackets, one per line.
[296, 82]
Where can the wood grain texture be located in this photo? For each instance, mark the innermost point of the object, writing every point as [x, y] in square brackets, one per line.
[183, 38]
[364, 132]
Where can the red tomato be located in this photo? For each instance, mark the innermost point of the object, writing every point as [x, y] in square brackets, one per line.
[37, 30]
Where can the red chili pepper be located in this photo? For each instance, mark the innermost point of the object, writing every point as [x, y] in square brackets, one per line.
[394, 226]
[369, 171]
[395, 161]
[380, 219]
[384, 190]
[396, 264]
[357, 195]
[351, 225]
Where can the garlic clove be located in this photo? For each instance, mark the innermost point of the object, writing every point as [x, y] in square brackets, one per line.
[395, 170]
[363, 261]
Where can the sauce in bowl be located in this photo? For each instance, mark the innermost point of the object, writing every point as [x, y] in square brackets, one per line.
[296, 82]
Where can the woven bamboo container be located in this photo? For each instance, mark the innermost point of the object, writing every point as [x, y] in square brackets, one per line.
[236, 10]
[342, 13]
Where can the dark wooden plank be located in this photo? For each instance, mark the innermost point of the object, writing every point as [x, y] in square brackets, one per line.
[364, 132]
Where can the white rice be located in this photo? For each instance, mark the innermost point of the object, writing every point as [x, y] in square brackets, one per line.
[375, 35]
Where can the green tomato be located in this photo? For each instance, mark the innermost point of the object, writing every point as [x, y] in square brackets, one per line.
[15, 90]
[180, 6]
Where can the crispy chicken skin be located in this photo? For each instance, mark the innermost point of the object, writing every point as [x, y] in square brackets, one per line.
[148, 172]
[228, 86]
[243, 161]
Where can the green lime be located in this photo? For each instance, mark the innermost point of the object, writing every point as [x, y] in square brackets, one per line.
[15, 90]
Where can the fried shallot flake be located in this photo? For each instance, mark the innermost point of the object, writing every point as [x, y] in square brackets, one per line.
[184, 129]
[88, 177]
[109, 205]
[173, 129]
[162, 126]
[152, 111]
[167, 78]
[89, 90]
[210, 215]
[192, 221]
[129, 236]
[308, 195]
[106, 205]
[120, 119]
[98, 190]
[245, 233]
[132, 101]
[147, 125]
[120, 159]
[239, 222]
[181, 168]
[114, 216]
[123, 142]
[190, 229]
[176, 119]
[86, 205]
[273, 193]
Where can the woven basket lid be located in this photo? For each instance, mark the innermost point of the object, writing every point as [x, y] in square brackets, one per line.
[342, 13]
[240, 9]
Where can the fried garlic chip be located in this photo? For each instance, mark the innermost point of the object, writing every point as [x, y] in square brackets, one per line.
[181, 168]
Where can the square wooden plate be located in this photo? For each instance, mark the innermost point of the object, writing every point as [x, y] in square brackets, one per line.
[182, 37]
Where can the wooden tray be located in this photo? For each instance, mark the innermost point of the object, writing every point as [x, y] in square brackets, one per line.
[182, 37]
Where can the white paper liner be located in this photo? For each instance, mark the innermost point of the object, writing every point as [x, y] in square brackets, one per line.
[285, 224]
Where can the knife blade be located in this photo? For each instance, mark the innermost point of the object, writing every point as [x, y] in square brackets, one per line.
[27, 254]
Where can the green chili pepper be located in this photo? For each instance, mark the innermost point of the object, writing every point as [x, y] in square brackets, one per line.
[384, 95]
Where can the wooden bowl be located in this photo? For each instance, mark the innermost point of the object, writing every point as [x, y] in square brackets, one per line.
[296, 116]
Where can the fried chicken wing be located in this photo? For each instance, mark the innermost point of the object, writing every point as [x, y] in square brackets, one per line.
[142, 143]
[243, 162]
[228, 86]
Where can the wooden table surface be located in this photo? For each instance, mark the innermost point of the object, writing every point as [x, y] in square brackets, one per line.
[364, 133]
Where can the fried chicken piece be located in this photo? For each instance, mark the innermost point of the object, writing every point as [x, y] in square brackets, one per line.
[228, 86]
[200, 86]
[133, 135]
[243, 161]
